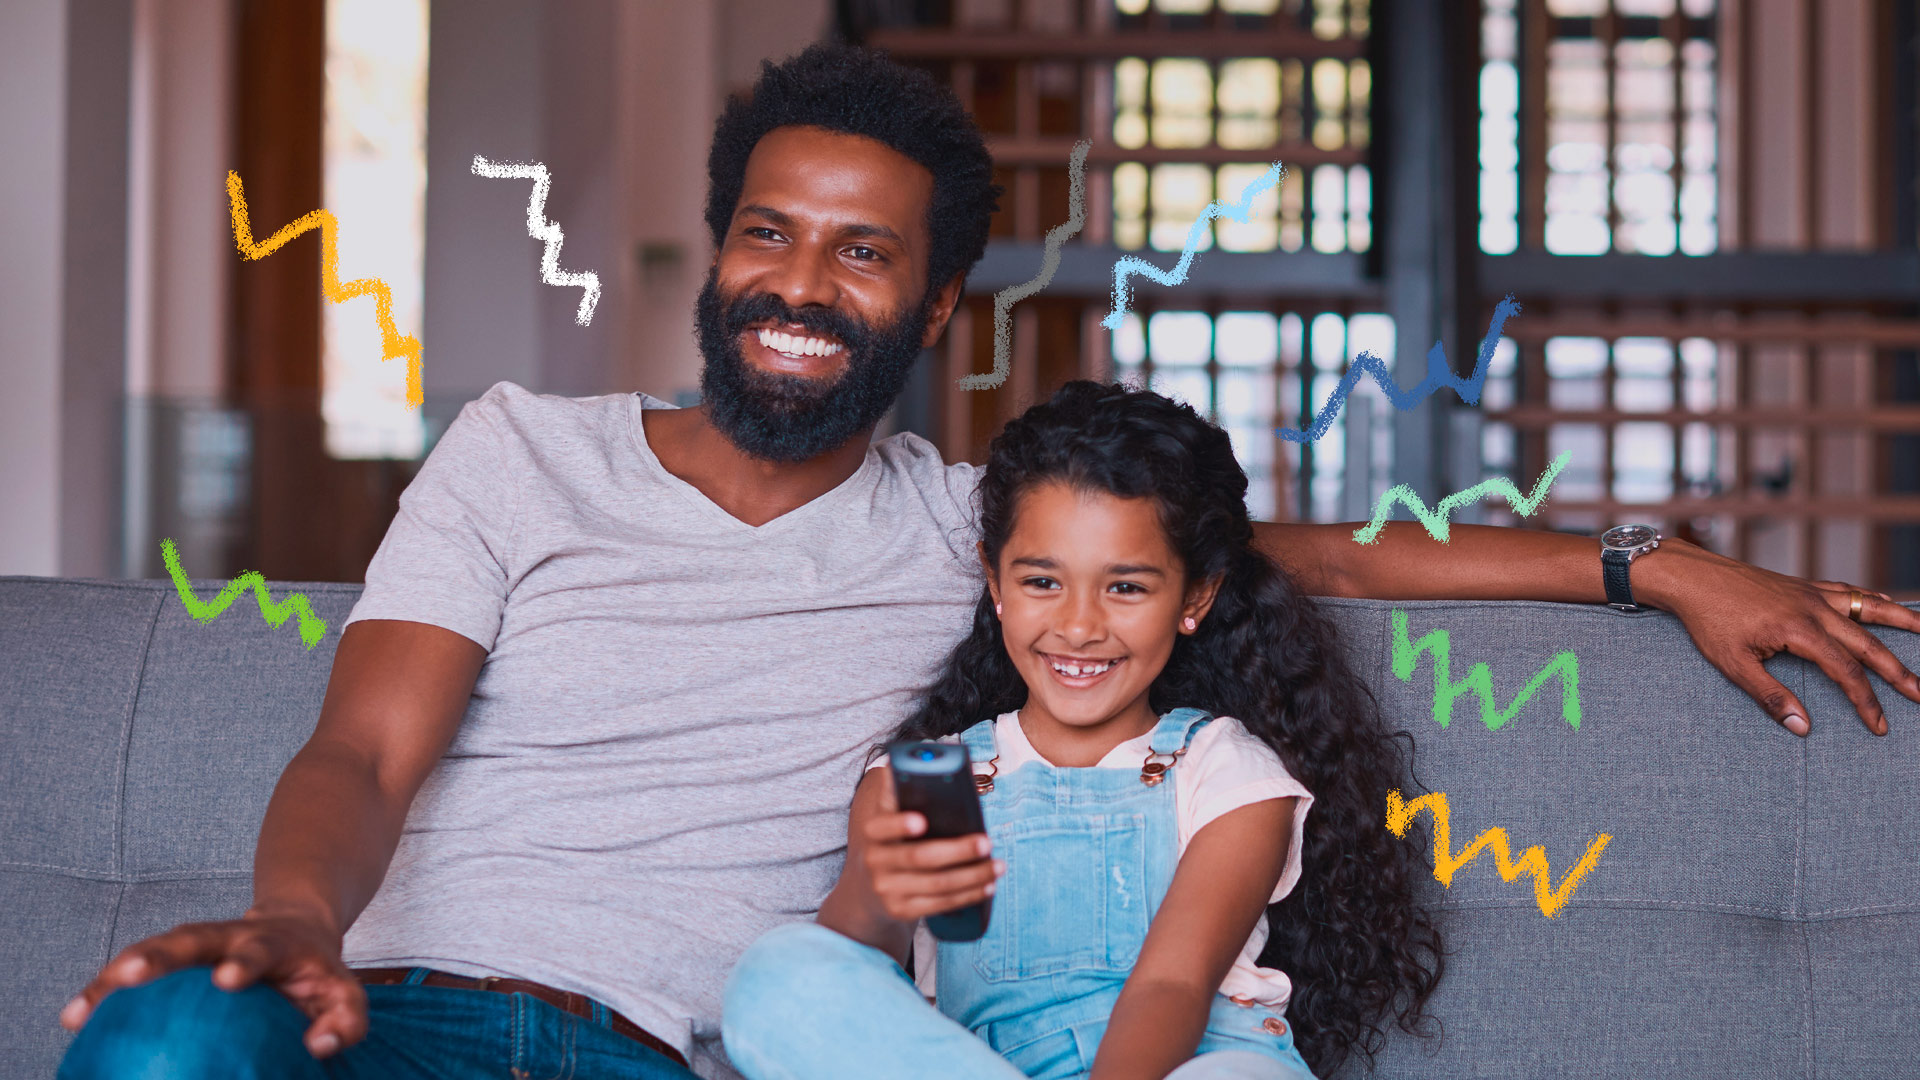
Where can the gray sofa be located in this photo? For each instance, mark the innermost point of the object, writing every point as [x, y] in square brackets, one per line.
[1757, 913]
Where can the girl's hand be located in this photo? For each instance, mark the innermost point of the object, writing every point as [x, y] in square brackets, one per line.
[912, 878]
[892, 878]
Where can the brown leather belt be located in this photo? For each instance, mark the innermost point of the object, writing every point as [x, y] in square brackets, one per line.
[578, 1005]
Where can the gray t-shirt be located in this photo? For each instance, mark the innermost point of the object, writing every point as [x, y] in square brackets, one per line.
[657, 761]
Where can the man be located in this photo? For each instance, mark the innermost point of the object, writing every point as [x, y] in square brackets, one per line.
[594, 723]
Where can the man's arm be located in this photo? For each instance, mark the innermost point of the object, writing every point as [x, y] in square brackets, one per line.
[1738, 615]
[394, 701]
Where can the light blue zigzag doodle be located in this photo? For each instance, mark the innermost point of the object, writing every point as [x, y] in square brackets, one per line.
[1123, 296]
[1439, 374]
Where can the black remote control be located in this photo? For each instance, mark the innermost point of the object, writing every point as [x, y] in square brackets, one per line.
[935, 779]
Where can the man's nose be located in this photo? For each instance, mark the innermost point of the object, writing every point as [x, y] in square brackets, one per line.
[805, 277]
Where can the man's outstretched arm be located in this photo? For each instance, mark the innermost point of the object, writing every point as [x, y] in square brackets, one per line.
[395, 699]
[1737, 614]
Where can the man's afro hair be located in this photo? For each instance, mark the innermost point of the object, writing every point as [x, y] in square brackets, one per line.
[860, 91]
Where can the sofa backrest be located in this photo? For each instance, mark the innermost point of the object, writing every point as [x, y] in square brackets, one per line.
[1755, 914]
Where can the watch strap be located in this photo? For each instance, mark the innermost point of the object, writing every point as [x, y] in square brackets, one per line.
[1613, 571]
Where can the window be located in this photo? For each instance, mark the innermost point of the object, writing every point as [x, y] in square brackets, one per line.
[1636, 413]
[375, 184]
[1254, 371]
[1244, 104]
[1630, 127]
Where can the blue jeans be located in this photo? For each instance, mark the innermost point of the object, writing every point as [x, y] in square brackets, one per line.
[182, 1027]
[806, 1003]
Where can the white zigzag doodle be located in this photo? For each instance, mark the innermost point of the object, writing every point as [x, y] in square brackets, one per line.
[540, 228]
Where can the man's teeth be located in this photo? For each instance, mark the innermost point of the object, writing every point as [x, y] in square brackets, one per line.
[1078, 671]
[791, 345]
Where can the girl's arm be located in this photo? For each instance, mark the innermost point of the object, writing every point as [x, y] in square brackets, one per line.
[1219, 893]
[892, 879]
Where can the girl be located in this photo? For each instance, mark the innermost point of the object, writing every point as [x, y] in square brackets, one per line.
[1129, 633]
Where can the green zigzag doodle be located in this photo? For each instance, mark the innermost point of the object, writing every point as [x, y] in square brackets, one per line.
[312, 627]
[1436, 519]
[1406, 653]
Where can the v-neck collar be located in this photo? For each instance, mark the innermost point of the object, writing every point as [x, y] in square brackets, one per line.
[651, 461]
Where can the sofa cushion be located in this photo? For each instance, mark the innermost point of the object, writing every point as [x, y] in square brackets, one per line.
[58, 930]
[223, 707]
[1612, 991]
[71, 653]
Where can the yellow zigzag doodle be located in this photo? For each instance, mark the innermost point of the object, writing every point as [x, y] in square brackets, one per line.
[312, 627]
[1400, 814]
[392, 342]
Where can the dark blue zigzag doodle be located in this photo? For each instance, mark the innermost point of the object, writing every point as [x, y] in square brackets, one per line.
[1439, 374]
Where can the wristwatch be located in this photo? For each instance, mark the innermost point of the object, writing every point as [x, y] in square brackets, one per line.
[1619, 546]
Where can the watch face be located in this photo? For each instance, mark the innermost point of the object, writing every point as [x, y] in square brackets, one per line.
[1628, 537]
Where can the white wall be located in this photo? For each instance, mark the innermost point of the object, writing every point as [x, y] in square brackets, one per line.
[182, 248]
[619, 100]
[63, 204]
[93, 267]
[33, 78]
[483, 97]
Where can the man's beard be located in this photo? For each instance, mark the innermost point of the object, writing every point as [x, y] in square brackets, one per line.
[792, 418]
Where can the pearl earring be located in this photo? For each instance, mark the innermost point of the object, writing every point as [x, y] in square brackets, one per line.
[996, 609]
[1189, 624]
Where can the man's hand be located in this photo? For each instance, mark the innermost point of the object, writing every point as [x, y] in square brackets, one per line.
[296, 955]
[913, 878]
[1740, 615]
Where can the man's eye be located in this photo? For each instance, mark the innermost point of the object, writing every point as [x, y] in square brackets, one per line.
[761, 232]
[864, 254]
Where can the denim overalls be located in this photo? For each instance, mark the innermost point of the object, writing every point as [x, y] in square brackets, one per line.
[1090, 853]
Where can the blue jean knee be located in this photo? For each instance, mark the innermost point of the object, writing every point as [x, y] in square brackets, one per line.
[789, 979]
[182, 1026]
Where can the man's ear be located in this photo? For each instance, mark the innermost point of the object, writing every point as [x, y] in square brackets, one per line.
[993, 579]
[1200, 599]
[941, 309]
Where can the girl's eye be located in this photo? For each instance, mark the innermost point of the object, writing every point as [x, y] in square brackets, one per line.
[1040, 583]
[1126, 588]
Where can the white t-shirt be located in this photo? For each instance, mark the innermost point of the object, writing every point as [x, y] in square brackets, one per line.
[1225, 768]
[654, 768]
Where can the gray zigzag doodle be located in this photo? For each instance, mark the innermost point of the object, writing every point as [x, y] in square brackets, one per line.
[1004, 300]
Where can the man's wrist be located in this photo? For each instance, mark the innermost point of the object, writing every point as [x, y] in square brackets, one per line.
[1659, 575]
[303, 910]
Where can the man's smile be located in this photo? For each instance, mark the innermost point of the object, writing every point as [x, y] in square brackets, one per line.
[794, 350]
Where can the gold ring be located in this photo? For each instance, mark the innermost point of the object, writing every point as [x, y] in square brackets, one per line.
[1855, 599]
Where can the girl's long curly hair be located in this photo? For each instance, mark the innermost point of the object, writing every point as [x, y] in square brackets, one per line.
[1359, 950]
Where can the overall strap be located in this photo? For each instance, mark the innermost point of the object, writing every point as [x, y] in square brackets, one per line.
[1175, 730]
[1169, 740]
[984, 749]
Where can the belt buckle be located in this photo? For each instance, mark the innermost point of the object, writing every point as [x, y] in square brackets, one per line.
[490, 983]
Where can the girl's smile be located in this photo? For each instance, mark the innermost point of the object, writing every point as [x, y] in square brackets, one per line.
[1081, 672]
